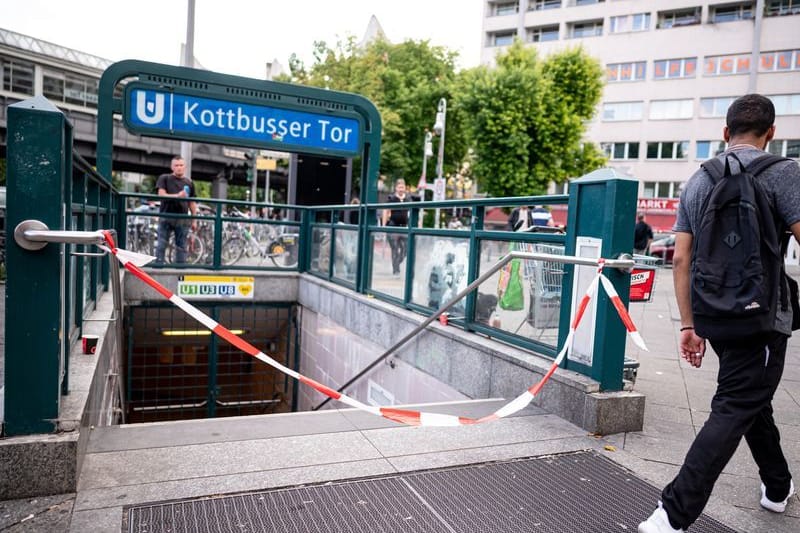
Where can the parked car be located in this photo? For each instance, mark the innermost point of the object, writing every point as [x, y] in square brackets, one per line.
[663, 248]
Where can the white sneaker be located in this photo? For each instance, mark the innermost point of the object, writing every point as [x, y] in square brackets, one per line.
[658, 523]
[775, 507]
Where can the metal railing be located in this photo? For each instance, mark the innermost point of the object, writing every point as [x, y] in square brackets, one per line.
[622, 264]
[34, 235]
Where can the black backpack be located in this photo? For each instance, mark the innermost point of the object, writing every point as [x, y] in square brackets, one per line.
[737, 269]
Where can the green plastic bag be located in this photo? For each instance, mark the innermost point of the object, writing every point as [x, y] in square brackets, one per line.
[509, 287]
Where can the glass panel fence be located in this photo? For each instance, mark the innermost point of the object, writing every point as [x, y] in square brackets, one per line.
[346, 261]
[388, 252]
[440, 272]
[524, 297]
[320, 250]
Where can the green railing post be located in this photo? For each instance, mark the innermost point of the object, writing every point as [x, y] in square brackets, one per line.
[37, 153]
[602, 209]
[304, 256]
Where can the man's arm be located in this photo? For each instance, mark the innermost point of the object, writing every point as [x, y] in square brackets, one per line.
[795, 229]
[692, 348]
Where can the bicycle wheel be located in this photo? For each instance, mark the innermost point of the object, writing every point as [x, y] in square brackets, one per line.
[232, 250]
[283, 252]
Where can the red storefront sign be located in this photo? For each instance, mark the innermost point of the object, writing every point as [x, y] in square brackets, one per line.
[664, 204]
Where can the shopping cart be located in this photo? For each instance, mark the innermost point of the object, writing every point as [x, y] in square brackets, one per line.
[544, 281]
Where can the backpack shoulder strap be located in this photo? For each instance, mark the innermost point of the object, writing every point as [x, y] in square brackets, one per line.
[761, 163]
[714, 168]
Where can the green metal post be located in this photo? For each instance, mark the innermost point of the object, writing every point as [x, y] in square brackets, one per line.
[411, 254]
[474, 266]
[37, 151]
[602, 207]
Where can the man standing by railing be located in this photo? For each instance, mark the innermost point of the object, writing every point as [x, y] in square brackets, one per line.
[170, 187]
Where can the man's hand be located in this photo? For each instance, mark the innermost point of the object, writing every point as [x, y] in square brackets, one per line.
[692, 347]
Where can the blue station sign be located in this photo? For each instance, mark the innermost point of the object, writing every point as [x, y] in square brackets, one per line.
[162, 113]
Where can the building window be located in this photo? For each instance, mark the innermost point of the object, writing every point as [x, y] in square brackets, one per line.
[618, 111]
[708, 149]
[779, 61]
[627, 23]
[585, 2]
[589, 28]
[505, 8]
[17, 76]
[715, 107]
[502, 38]
[69, 88]
[731, 13]
[777, 8]
[620, 150]
[626, 71]
[668, 150]
[662, 189]
[675, 68]
[543, 33]
[786, 104]
[671, 109]
[785, 148]
[541, 5]
[678, 17]
[724, 65]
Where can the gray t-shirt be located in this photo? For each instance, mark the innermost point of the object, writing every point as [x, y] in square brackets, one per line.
[781, 181]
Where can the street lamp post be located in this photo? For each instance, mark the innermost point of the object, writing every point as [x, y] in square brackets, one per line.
[427, 151]
[439, 128]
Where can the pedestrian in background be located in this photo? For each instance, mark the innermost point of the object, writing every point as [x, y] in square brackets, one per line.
[397, 217]
[642, 236]
[520, 219]
[541, 216]
[173, 188]
[749, 369]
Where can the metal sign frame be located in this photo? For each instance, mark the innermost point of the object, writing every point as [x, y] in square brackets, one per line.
[248, 91]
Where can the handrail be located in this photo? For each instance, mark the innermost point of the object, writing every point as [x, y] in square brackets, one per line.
[625, 262]
[35, 235]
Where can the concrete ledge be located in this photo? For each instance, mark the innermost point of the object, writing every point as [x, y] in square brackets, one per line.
[40, 465]
[478, 367]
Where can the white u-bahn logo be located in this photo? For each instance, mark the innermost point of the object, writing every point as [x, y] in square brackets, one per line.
[149, 111]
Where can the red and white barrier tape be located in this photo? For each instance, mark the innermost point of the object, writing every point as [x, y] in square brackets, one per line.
[132, 262]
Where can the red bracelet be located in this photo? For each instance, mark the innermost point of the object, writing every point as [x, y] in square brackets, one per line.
[684, 328]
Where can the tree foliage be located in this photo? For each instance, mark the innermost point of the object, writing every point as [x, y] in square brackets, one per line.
[526, 118]
[405, 81]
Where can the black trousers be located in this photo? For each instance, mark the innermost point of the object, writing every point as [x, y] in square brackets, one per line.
[398, 245]
[749, 373]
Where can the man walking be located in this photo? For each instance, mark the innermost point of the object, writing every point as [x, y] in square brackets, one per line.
[172, 188]
[749, 369]
[642, 236]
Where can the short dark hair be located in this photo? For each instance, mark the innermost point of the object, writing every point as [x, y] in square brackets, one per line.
[751, 113]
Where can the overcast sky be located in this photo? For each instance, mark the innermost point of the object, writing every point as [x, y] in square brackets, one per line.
[240, 36]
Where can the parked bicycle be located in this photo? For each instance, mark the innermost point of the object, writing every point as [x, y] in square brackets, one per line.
[142, 234]
[259, 241]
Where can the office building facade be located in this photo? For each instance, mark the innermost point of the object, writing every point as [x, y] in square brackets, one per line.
[672, 68]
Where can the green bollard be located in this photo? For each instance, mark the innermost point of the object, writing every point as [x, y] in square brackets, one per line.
[38, 147]
[602, 211]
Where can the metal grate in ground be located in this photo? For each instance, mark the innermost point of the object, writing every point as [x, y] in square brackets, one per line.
[581, 492]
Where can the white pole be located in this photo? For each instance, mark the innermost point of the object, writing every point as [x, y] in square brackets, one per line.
[441, 121]
[188, 61]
